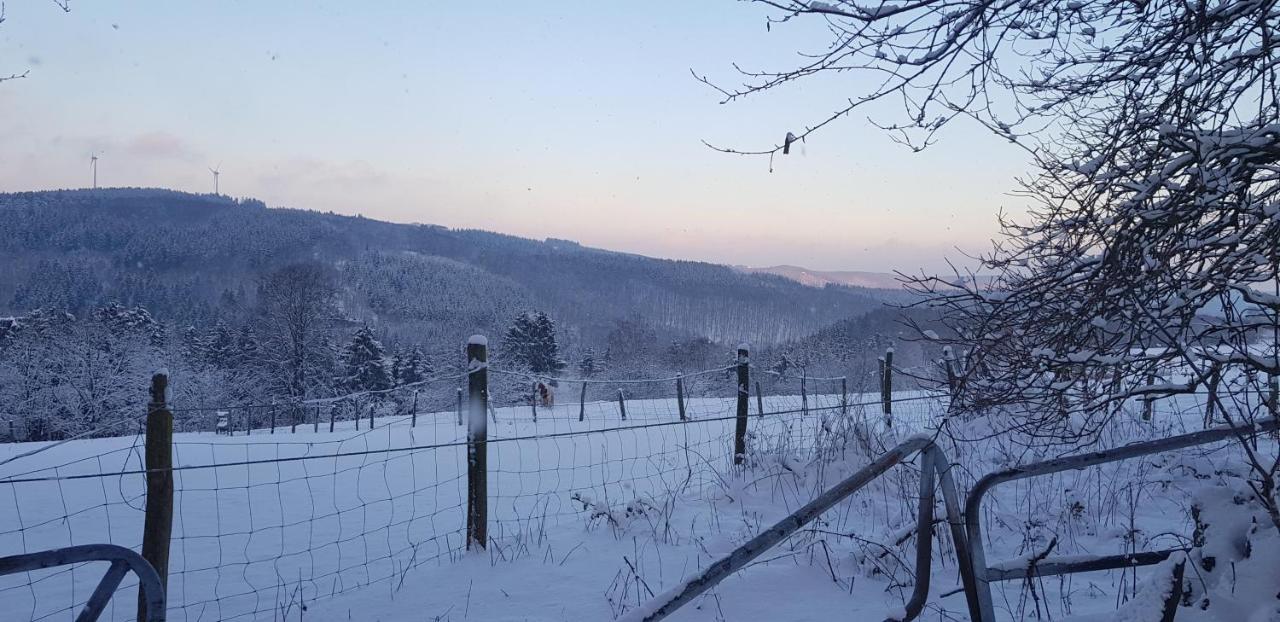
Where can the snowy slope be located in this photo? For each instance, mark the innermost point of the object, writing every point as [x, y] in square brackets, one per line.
[587, 519]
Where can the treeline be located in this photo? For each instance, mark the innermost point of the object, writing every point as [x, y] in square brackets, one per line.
[65, 373]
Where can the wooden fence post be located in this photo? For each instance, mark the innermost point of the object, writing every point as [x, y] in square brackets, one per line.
[534, 402]
[248, 421]
[413, 421]
[372, 408]
[1147, 402]
[459, 405]
[804, 393]
[582, 402]
[315, 422]
[844, 395]
[293, 420]
[744, 394]
[273, 416]
[12, 435]
[622, 405]
[948, 359]
[680, 396]
[887, 391]
[158, 522]
[1211, 402]
[356, 409]
[333, 414]
[477, 435]
[759, 399]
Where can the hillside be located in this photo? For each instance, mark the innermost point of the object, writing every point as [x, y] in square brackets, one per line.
[822, 278]
[154, 248]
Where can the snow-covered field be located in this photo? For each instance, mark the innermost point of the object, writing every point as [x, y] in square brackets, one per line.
[587, 519]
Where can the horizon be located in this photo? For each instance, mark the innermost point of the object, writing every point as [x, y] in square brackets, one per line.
[573, 152]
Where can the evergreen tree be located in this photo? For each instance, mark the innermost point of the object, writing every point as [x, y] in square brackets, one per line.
[410, 367]
[192, 344]
[531, 341]
[366, 365]
[247, 346]
[220, 347]
[120, 320]
[588, 366]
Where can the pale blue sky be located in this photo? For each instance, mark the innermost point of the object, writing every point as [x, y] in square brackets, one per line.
[576, 120]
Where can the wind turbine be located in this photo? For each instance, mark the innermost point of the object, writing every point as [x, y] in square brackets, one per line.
[216, 171]
[93, 165]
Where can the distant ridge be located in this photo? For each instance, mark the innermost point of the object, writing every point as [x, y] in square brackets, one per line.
[846, 278]
[822, 278]
[197, 259]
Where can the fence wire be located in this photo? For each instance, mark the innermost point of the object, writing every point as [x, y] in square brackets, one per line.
[271, 519]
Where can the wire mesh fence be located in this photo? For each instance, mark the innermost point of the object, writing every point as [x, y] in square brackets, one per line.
[266, 524]
[286, 505]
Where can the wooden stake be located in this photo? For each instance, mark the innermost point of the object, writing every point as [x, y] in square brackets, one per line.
[680, 396]
[477, 449]
[744, 395]
[888, 388]
[158, 522]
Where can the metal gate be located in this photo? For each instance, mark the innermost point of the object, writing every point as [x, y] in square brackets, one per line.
[123, 561]
[966, 531]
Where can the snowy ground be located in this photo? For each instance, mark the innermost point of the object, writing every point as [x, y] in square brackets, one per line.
[587, 518]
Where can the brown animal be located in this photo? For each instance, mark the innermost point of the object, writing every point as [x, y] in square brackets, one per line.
[545, 396]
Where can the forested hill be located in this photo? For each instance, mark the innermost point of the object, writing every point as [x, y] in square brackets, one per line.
[195, 259]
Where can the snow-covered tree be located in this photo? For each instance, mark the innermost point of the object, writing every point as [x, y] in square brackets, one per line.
[531, 342]
[365, 363]
[248, 347]
[296, 311]
[220, 348]
[410, 367]
[61, 375]
[588, 365]
[1148, 263]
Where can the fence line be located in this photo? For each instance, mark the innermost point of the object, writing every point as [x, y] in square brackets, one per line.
[415, 448]
[261, 523]
[682, 375]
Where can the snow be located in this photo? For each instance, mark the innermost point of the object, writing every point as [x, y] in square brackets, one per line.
[586, 526]
[478, 340]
